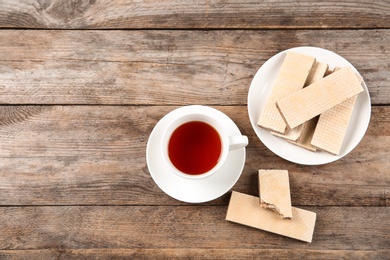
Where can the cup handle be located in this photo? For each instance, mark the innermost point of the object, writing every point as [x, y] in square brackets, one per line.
[237, 141]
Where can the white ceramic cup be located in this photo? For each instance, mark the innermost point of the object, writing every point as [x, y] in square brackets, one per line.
[228, 143]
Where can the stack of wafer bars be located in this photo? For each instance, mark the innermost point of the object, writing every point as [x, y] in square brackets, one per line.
[311, 105]
[272, 210]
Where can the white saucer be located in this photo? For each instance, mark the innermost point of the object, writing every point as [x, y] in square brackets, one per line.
[199, 190]
[260, 89]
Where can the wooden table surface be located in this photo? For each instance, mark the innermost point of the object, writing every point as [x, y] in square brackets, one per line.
[83, 83]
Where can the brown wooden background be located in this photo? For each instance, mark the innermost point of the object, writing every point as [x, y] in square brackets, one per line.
[82, 84]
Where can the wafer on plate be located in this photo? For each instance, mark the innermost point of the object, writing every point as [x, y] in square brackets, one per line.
[332, 126]
[319, 97]
[317, 72]
[306, 136]
[291, 78]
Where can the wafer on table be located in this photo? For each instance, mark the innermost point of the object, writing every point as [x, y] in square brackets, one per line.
[274, 191]
[291, 78]
[318, 97]
[245, 209]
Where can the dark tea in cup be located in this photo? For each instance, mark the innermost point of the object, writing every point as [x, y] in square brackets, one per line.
[196, 144]
[195, 147]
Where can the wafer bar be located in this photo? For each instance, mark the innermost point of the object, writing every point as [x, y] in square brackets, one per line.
[306, 136]
[290, 134]
[331, 131]
[274, 191]
[245, 209]
[330, 71]
[317, 72]
[332, 126]
[319, 97]
[291, 78]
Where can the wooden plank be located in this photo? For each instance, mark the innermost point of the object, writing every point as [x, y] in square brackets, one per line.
[191, 253]
[160, 67]
[156, 227]
[193, 14]
[72, 155]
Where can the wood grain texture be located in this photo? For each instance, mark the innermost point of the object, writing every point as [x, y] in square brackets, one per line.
[182, 253]
[82, 91]
[162, 67]
[80, 227]
[104, 14]
[95, 155]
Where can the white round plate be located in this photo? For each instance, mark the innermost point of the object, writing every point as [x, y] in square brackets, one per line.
[260, 89]
[189, 190]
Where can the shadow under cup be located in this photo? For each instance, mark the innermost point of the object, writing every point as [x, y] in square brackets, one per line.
[195, 146]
